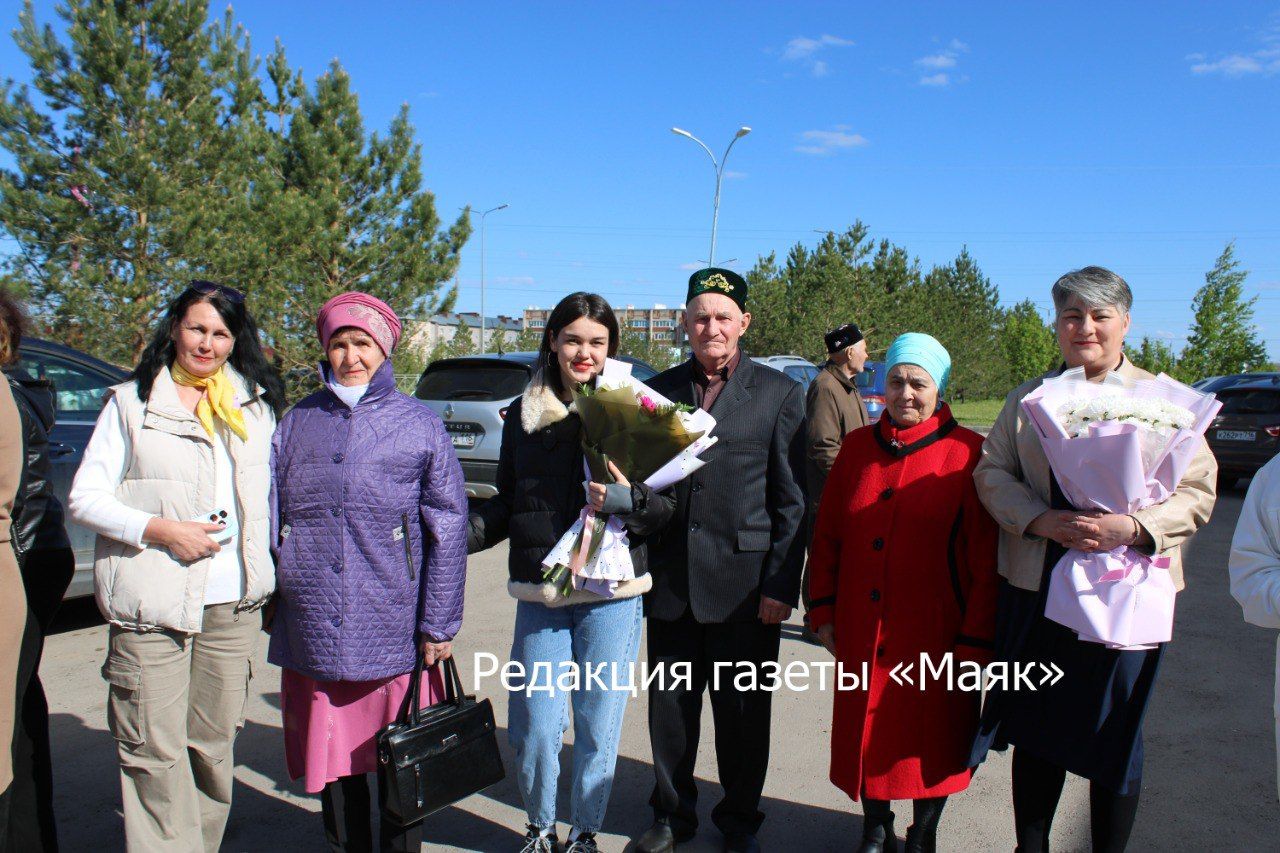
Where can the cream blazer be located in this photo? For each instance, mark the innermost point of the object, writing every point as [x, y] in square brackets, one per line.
[1014, 483]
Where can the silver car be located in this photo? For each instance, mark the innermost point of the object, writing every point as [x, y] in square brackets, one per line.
[80, 382]
[472, 395]
[797, 368]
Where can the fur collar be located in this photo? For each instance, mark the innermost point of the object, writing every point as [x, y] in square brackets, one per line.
[540, 407]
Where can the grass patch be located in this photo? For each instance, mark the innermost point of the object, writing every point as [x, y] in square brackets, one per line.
[977, 412]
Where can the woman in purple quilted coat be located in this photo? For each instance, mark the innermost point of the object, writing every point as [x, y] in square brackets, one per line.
[370, 534]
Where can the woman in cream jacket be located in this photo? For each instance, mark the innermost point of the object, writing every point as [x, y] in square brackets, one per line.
[1089, 722]
[176, 483]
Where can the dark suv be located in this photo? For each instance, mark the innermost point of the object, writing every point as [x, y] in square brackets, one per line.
[472, 394]
[1246, 433]
[79, 383]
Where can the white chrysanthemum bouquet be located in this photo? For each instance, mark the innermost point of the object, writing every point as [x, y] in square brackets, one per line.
[1117, 448]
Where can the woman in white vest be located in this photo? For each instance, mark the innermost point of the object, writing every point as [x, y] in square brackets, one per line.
[175, 481]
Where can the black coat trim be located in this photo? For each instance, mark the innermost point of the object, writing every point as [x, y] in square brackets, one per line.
[907, 449]
[976, 642]
[825, 601]
[953, 563]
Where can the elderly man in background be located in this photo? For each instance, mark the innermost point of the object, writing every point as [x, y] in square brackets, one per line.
[833, 409]
[726, 570]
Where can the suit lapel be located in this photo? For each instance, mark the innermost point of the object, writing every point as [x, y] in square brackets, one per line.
[737, 391]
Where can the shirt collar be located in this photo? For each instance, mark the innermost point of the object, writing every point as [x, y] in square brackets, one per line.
[700, 375]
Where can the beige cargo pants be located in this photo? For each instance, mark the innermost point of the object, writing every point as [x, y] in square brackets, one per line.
[175, 704]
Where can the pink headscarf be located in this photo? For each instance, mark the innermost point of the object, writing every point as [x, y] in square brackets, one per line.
[361, 311]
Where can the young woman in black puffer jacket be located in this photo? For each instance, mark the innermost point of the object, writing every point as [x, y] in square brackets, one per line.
[540, 494]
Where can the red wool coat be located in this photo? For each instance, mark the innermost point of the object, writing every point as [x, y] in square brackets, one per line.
[903, 561]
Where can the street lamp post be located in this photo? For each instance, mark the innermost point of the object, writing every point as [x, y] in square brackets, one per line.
[719, 167]
[483, 348]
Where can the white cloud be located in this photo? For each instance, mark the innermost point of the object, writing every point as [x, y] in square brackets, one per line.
[1241, 65]
[804, 50]
[734, 176]
[1263, 61]
[824, 142]
[937, 62]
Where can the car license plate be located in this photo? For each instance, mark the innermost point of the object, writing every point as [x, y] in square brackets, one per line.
[1237, 435]
[463, 439]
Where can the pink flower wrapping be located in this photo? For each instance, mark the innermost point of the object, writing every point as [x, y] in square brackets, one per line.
[1122, 598]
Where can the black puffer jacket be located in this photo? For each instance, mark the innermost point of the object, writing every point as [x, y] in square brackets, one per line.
[540, 494]
[37, 513]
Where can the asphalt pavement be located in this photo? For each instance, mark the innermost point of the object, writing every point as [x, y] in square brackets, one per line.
[1209, 783]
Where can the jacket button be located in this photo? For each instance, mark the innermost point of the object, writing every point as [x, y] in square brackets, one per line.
[886, 494]
[346, 414]
[697, 487]
[880, 652]
[875, 595]
[337, 457]
[696, 526]
[336, 511]
[337, 568]
[337, 621]
[878, 544]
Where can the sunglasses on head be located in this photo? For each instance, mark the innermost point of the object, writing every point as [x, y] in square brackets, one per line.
[211, 288]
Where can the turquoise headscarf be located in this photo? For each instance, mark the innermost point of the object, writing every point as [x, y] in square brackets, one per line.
[923, 350]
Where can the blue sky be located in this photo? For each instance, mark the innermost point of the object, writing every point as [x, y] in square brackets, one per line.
[1139, 136]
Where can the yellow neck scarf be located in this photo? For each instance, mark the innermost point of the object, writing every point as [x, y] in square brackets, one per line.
[218, 399]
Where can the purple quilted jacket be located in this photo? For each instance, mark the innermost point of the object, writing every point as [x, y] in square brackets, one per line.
[370, 533]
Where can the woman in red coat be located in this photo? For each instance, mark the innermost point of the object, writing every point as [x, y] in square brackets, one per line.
[903, 562]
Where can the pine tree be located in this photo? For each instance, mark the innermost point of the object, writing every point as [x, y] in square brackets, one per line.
[146, 153]
[1223, 338]
[462, 343]
[964, 315]
[128, 156]
[529, 340]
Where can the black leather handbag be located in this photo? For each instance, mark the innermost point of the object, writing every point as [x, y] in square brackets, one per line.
[432, 757]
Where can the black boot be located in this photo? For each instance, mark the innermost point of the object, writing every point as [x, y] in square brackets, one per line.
[877, 828]
[922, 835]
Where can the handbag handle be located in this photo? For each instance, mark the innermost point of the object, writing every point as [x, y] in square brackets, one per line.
[411, 710]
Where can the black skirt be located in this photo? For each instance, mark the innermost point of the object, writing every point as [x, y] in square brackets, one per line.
[1090, 721]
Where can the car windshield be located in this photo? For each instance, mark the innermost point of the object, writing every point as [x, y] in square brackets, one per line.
[1250, 402]
[866, 380]
[472, 382]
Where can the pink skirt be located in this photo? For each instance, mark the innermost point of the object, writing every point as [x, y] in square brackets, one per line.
[331, 727]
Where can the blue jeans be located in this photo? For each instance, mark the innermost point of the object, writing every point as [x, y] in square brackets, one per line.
[607, 632]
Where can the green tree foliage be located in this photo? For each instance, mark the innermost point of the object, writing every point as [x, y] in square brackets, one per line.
[1029, 345]
[1223, 338]
[656, 354]
[880, 287]
[960, 307]
[1154, 356]
[146, 153]
[529, 340]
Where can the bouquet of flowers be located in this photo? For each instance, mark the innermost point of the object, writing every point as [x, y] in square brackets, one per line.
[652, 441]
[1116, 448]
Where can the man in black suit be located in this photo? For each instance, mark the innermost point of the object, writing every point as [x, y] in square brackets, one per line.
[726, 571]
